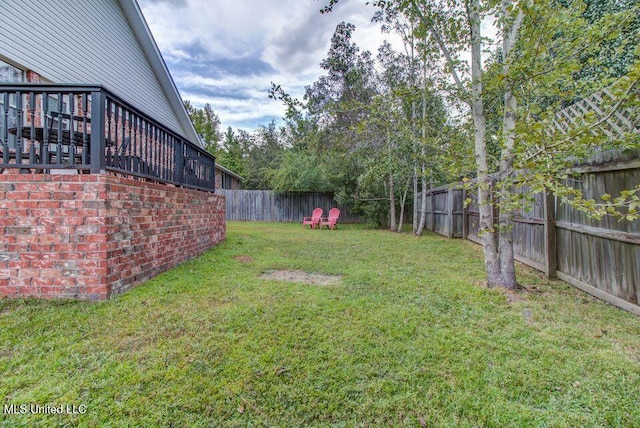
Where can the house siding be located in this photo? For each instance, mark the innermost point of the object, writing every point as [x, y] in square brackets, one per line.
[92, 44]
[226, 181]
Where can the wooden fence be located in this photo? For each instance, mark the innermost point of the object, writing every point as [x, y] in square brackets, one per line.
[601, 257]
[265, 205]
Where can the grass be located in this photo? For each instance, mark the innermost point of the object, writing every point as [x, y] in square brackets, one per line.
[409, 337]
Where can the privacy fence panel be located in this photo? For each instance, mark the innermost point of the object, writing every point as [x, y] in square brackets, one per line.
[601, 254]
[601, 257]
[444, 213]
[472, 218]
[266, 205]
[529, 231]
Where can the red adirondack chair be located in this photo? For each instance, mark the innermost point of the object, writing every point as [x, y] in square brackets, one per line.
[332, 221]
[314, 220]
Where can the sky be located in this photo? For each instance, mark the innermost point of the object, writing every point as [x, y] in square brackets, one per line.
[227, 52]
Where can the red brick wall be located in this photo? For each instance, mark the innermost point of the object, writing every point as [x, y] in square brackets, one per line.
[93, 236]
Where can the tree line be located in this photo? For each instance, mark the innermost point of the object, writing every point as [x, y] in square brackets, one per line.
[471, 97]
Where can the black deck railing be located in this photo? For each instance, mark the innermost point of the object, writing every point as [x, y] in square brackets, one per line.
[50, 128]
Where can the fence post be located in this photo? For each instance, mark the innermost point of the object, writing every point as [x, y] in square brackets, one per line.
[465, 215]
[550, 250]
[432, 211]
[450, 221]
[97, 132]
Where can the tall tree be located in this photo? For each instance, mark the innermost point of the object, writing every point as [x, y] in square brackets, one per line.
[541, 47]
[391, 122]
[263, 155]
[232, 152]
[207, 125]
[324, 125]
[357, 128]
[339, 96]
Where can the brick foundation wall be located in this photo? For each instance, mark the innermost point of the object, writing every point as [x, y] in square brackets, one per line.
[93, 236]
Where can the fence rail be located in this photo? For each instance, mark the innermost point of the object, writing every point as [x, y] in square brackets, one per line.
[87, 128]
[266, 205]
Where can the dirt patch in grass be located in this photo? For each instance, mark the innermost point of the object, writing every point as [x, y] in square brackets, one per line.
[514, 296]
[244, 259]
[6, 306]
[517, 296]
[301, 276]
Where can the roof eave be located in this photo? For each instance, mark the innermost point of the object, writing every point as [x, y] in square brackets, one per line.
[138, 24]
[228, 171]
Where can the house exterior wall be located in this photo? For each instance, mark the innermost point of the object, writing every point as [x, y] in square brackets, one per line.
[94, 236]
[91, 44]
[226, 181]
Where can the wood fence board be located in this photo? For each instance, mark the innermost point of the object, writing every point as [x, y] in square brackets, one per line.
[265, 205]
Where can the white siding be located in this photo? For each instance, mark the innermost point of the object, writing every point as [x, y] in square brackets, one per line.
[86, 42]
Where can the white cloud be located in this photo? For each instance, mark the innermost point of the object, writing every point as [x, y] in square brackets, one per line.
[249, 100]
[227, 28]
[237, 47]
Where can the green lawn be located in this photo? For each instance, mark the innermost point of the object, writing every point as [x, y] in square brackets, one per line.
[409, 337]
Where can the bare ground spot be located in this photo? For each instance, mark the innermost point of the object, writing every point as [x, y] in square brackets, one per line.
[301, 276]
[513, 296]
[516, 296]
[244, 259]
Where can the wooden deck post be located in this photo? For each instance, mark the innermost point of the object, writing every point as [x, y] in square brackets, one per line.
[98, 163]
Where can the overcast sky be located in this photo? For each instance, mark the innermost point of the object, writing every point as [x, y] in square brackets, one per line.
[226, 52]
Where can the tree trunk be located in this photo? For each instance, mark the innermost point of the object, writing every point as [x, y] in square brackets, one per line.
[414, 229]
[505, 218]
[423, 215]
[403, 200]
[423, 207]
[392, 190]
[485, 206]
[413, 133]
[392, 205]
